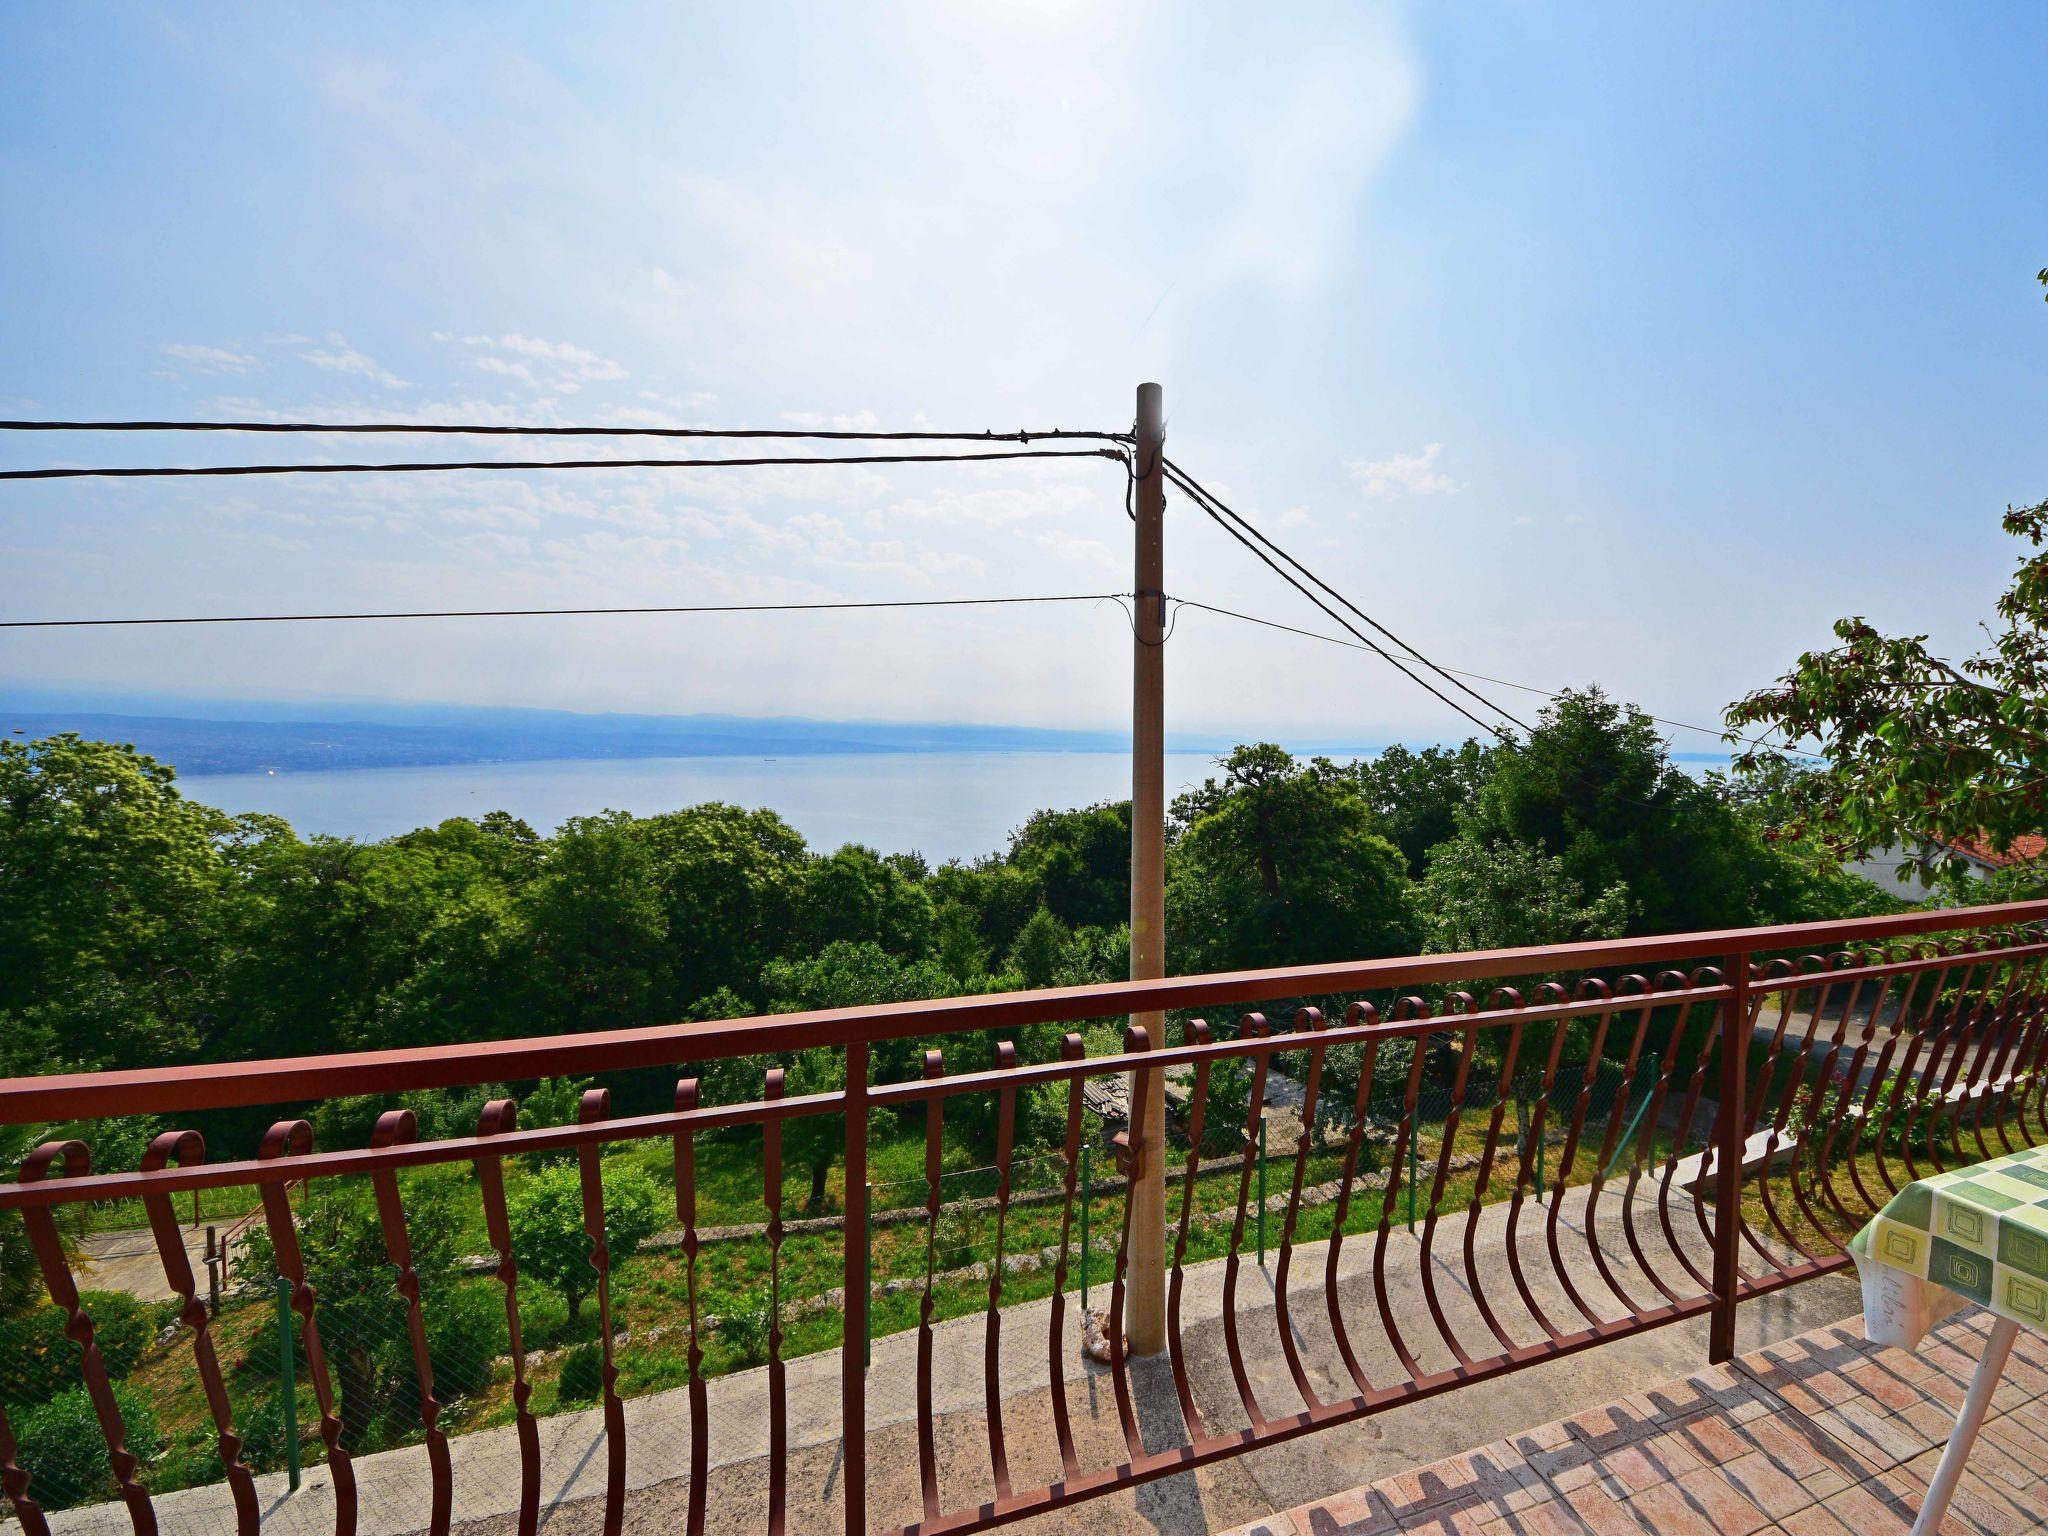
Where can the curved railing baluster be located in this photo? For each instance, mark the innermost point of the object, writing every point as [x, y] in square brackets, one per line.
[18, 1484]
[1643, 1146]
[393, 1128]
[595, 1106]
[684, 1148]
[76, 1162]
[1568, 1159]
[1447, 1140]
[294, 1138]
[1071, 1049]
[1306, 1021]
[500, 1116]
[934, 1150]
[1617, 1111]
[1197, 1033]
[1482, 1179]
[992, 1368]
[1255, 1026]
[1354, 1141]
[1130, 1163]
[188, 1148]
[1533, 1136]
[1408, 1007]
[1681, 1139]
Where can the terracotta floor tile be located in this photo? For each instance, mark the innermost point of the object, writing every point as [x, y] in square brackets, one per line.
[1765, 1485]
[1731, 1512]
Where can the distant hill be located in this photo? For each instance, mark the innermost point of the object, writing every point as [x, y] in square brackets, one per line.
[417, 736]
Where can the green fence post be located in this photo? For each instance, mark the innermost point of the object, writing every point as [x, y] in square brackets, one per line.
[1262, 1191]
[291, 1385]
[1635, 1123]
[867, 1352]
[1087, 1183]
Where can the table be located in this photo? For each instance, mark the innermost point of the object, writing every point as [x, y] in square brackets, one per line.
[1973, 1234]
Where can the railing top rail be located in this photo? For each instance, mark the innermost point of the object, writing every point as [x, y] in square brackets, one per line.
[219, 1085]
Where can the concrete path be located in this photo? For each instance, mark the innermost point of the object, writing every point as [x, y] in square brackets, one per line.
[127, 1260]
[395, 1484]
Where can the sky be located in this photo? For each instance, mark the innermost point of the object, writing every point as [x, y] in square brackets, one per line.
[1577, 343]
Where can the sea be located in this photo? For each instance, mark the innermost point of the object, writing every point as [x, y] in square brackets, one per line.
[944, 805]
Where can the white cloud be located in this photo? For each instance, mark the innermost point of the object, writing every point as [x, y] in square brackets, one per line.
[201, 358]
[1406, 474]
[566, 366]
[340, 357]
[818, 421]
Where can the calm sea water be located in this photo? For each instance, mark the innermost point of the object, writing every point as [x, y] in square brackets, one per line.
[943, 805]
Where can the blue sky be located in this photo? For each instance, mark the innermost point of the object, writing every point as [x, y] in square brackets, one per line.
[1592, 342]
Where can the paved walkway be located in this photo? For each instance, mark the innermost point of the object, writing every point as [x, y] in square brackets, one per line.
[1819, 1436]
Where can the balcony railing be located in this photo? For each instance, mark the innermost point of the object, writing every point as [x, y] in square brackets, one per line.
[1480, 1173]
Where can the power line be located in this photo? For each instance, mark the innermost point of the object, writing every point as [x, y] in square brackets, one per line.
[555, 613]
[526, 464]
[477, 429]
[1548, 693]
[1214, 505]
[1388, 656]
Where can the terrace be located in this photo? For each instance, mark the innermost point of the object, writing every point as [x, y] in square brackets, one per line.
[1399, 1209]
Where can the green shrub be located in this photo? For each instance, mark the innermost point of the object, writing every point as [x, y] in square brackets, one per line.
[582, 1378]
[465, 1334]
[37, 1359]
[59, 1446]
[546, 1216]
[262, 1429]
[123, 1326]
[742, 1325]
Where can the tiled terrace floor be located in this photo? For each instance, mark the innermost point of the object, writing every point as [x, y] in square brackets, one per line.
[1825, 1433]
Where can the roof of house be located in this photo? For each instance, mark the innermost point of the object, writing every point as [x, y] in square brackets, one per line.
[2021, 850]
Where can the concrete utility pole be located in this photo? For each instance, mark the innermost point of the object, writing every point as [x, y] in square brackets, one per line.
[1145, 1298]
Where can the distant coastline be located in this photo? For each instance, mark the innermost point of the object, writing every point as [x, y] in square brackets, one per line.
[207, 739]
[211, 738]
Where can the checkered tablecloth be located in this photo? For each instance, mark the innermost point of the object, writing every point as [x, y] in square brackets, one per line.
[1974, 1234]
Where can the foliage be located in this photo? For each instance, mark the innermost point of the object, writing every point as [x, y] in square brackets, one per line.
[58, 1444]
[1079, 861]
[1917, 748]
[38, 1360]
[110, 895]
[548, 1238]
[1509, 894]
[1279, 864]
[743, 1323]
[1040, 947]
[1595, 786]
[1419, 796]
[582, 1378]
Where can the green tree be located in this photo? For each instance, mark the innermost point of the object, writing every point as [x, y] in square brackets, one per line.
[1594, 784]
[109, 880]
[1280, 864]
[600, 926]
[1917, 747]
[548, 1238]
[1506, 895]
[1079, 861]
[729, 882]
[1418, 797]
[1039, 949]
[856, 896]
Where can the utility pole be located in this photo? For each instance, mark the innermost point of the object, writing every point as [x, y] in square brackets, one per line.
[1145, 1299]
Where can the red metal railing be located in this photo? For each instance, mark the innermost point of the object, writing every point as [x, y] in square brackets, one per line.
[1744, 1100]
